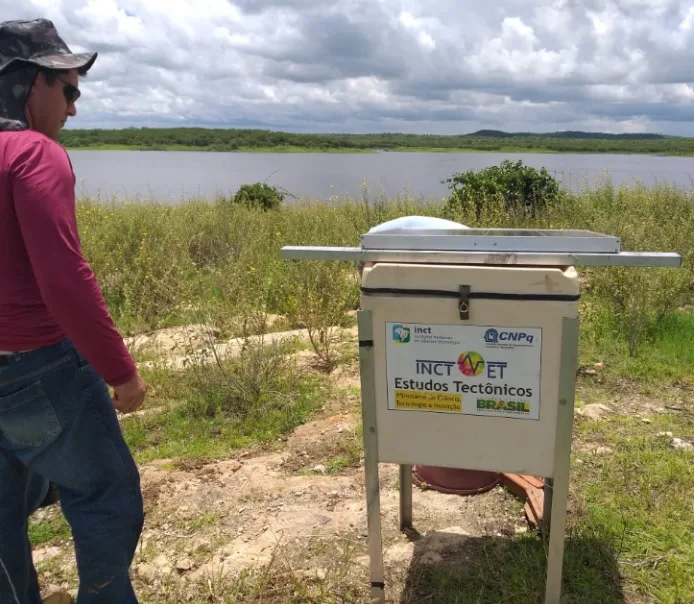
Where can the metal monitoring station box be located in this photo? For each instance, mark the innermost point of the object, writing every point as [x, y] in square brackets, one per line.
[468, 346]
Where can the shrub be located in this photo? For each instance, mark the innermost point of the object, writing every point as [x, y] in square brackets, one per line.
[318, 296]
[261, 378]
[517, 187]
[259, 195]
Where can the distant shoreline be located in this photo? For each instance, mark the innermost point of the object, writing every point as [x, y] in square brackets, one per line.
[268, 141]
[352, 151]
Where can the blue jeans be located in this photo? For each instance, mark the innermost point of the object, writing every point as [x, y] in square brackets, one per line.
[58, 424]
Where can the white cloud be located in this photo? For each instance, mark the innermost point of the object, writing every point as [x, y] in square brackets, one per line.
[418, 28]
[369, 65]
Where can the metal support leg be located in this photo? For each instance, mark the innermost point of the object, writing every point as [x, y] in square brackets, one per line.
[547, 505]
[562, 459]
[373, 498]
[405, 497]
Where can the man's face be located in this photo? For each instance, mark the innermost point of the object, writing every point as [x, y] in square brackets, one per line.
[48, 107]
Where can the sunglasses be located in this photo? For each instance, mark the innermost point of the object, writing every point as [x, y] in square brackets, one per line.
[71, 92]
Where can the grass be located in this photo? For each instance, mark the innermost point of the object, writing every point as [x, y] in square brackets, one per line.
[639, 499]
[210, 410]
[219, 264]
[53, 529]
[179, 431]
[513, 570]
[664, 357]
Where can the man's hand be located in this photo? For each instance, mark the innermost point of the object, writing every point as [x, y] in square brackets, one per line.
[130, 396]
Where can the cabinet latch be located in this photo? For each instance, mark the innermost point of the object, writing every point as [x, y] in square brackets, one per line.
[464, 302]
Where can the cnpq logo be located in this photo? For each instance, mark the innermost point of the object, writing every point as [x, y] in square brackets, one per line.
[495, 337]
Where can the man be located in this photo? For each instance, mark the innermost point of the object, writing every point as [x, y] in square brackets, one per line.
[59, 349]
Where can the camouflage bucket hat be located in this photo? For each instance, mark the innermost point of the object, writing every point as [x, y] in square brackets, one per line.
[37, 42]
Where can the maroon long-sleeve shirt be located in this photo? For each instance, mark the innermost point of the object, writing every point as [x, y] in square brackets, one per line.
[48, 291]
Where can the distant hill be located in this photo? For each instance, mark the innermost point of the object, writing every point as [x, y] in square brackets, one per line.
[568, 134]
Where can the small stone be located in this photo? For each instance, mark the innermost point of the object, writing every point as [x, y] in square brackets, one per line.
[678, 443]
[200, 543]
[184, 565]
[668, 434]
[645, 420]
[45, 553]
[161, 561]
[340, 430]
[321, 574]
[603, 451]
[594, 411]
[320, 468]
[146, 572]
[400, 553]
[232, 466]
[334, 494]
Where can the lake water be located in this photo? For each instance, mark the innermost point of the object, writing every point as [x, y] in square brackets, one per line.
[177, 176]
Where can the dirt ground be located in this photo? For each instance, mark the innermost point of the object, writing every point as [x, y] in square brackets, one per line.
[212, 521]
[209, 523]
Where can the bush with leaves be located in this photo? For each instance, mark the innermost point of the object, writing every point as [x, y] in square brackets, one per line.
[260, 195]
[517, 187]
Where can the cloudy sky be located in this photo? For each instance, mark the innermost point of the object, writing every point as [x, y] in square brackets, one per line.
[434, 66]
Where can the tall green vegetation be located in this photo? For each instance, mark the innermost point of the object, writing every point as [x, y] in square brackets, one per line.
[259, 196]
[516, 187]
[209, 139]
[162, 265]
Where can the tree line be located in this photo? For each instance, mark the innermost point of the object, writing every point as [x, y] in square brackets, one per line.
[212, 139]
